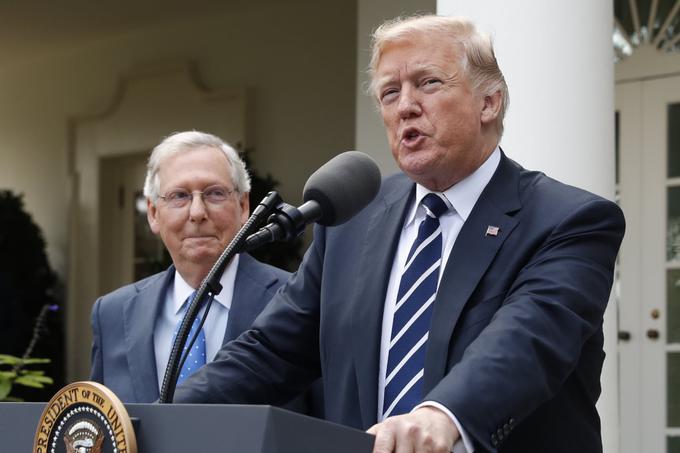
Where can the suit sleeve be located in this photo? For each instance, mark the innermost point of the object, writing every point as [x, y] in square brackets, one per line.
[278, 357]
[535, 340]
[96, 363]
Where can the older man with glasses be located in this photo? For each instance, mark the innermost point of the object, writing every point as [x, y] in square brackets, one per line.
[197, 196]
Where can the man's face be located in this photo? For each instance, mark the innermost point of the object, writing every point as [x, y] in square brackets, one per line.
[196, 234]
[433, 118]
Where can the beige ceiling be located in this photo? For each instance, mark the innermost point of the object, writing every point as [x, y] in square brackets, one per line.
[31, 28]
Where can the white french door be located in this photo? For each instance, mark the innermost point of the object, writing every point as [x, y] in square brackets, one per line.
[648, 114]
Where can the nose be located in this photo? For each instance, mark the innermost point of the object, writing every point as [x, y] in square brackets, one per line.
[409, 104]
[197, 208]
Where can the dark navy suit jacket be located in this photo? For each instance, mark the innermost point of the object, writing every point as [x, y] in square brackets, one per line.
[123, 355]
[515, 345]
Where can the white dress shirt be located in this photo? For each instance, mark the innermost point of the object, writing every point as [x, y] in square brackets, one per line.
[461, 199]
[173, 311]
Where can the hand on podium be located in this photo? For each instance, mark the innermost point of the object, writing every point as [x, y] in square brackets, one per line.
[426, 429]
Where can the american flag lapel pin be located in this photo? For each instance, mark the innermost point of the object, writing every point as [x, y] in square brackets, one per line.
[492, 230]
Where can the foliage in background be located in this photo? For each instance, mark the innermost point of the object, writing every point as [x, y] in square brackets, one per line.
[284, 255]
[13, 372]
[27, 284]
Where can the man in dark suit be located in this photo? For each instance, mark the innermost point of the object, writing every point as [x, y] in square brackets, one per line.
[197, 198]
[462, 309]
[123, 356]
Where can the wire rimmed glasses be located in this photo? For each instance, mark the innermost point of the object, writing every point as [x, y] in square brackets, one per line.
[180, 198]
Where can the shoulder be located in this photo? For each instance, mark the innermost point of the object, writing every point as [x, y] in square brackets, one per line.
[394, 190]
[394, 187]
[537, 187]
[129, 291]
[545, 198]
[395, 181]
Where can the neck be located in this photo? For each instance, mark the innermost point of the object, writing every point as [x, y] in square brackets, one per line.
[443, 181]
[193, 275]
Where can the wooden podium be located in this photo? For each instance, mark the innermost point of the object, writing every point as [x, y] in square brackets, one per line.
[171, 428]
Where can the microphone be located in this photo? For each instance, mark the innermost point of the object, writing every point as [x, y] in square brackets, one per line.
[333, 194]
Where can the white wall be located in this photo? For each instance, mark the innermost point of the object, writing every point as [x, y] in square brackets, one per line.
[299, 58]
[558, 61]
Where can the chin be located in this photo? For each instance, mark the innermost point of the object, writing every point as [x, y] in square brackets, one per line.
[203, 256]
[417, 170]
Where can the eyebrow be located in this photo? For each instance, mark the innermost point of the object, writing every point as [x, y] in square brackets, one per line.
[418, 71]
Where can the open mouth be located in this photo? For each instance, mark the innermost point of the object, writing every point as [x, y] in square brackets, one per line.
[411, 136]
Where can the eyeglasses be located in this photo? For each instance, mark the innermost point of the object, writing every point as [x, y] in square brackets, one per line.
[213, 195]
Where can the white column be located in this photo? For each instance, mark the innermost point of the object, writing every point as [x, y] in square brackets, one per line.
[370, 133]
[557, 58]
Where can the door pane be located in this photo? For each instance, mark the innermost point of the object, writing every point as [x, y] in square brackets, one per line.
[673, 140]
[149, 253]
[673, 226]
[617, 147]
[673, 389]
[673, 445]
[673, 306]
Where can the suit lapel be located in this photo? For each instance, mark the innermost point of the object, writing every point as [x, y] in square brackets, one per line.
[472, 253]
[249, 297]
[374, 267]
[139, 317]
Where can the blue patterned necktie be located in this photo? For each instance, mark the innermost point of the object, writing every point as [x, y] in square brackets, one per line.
[411, 324]
[196, 357]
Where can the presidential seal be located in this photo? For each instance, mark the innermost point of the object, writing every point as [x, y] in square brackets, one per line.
[85, 417]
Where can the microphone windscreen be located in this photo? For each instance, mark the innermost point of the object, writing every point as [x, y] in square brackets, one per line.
[343, 186]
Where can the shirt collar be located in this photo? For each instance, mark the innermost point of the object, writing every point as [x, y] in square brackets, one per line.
[182, 290]
[462, 196]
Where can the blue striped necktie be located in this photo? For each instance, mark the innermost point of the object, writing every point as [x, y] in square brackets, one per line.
[413, 310]
[196, 357]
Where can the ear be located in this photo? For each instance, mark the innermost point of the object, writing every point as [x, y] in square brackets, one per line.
[244, 202]
[152, 216]
[491, 107]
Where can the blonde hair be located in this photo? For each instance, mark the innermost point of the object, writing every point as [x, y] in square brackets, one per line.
[477, 59]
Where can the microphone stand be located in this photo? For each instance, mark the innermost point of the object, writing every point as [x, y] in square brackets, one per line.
[211, 285]
[285, 224]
